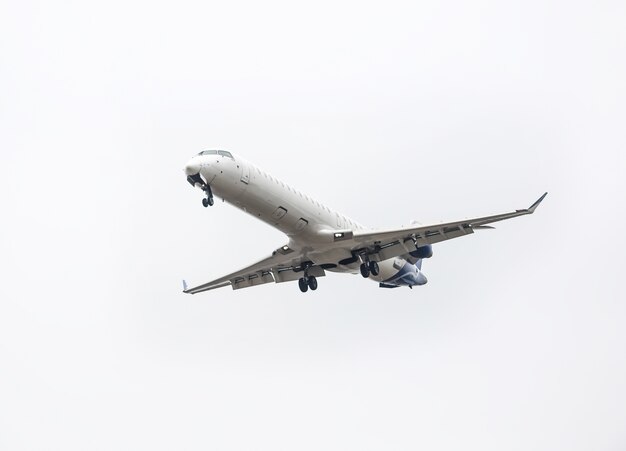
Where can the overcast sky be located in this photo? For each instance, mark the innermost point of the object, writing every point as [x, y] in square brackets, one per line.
[388, 112]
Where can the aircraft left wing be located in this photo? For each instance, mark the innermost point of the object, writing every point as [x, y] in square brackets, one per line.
[395, 242]
[283, 265]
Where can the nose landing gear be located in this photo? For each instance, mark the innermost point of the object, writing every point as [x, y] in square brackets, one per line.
[208, 200]
[196, 180]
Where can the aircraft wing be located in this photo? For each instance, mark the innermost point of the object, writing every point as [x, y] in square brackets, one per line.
[395, 242]
[283, 265]
[286, 264]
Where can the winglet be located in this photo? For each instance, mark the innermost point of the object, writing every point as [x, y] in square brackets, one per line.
[532, 208]
[184, 285]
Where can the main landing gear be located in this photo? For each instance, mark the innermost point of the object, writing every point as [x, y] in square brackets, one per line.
[208, 200]
[307, 282]
[368, 268]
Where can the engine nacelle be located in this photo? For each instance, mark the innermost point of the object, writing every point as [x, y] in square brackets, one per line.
[425, 251]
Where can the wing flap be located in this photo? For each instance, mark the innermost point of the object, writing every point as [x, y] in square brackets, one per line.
[252, 280]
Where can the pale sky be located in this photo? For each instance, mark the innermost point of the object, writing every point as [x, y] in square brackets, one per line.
[388, 112]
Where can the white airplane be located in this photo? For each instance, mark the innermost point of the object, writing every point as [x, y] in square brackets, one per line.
[320, 239]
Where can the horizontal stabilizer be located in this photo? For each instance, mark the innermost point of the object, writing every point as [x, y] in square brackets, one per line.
[386, 285]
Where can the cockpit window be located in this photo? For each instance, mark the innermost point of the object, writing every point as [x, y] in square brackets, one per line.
[223, 153]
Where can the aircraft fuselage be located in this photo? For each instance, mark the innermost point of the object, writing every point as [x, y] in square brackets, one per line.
[307, 222]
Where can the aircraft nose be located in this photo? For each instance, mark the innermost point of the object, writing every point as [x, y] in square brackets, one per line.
[192, 167]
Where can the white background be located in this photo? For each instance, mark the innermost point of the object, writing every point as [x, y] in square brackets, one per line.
[387, 112]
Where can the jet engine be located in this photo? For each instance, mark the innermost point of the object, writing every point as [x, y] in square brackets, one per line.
[425, 251]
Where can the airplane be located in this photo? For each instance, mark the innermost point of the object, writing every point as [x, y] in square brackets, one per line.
[320, 239]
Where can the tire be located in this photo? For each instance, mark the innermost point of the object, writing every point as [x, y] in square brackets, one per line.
[312, 283]
[365, 270]
[211, 201]
[205, 202]
[374, 269]
[303, 285]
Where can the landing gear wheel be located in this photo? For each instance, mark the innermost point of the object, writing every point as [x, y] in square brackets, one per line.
[365, 270]
[312, 283]
[302, 283]
[374, 268]
[208, 200]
